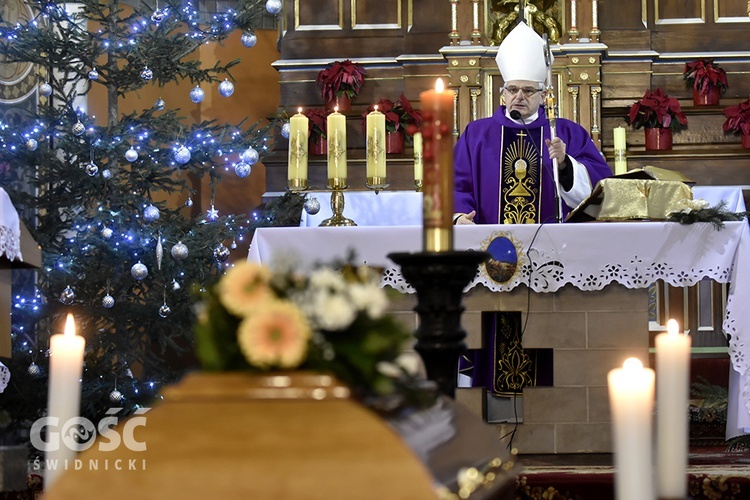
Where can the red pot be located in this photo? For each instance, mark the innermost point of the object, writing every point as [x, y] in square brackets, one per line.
[319, 147]
[658, 139]
[746, 141]
[343, 102]
[394, 142]
[710, 98]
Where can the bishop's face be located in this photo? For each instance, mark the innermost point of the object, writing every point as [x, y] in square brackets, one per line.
[523, 96]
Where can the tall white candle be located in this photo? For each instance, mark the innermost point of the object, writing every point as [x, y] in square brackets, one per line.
[64, 394]
[298, 147]
[336, 124]
[631, 399]
[672, 394]
[418, 167]
[621, 162]
[375, 142]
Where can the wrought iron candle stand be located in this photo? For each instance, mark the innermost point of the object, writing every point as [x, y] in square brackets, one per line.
[439, 279]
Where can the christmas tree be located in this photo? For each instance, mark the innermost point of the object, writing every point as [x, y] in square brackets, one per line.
[110, 199]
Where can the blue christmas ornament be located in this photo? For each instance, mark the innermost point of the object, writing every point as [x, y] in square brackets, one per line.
[139, 271]
[151, 213]
[182, 155]
[159, 104]
[31, 144]
[242, 169]
[147, 74]
[197, 94]
[273, 6]
[286, 130]
[250, 156]
[45, 89]
[249, 40]
[226, 88]
[93, 74]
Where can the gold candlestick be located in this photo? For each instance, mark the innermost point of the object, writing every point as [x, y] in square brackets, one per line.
[337, 187]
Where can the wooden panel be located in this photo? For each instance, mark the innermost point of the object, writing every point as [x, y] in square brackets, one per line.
[731, 11]
[619, 15]
[679, 11]
[322, 14]
[371, 14]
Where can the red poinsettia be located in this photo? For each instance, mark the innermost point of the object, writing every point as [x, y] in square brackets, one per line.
[398, 116]
[342, 77]
[318, 123]
[738, 118]
[703, 74]
[656, 110]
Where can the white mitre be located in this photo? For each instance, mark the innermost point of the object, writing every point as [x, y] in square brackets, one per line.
[520, 56]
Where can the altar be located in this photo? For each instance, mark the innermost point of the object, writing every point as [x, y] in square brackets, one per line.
[572, 268]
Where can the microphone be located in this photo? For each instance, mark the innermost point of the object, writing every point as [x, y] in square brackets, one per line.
[516, 115]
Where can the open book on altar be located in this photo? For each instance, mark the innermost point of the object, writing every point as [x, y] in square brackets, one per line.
[647, 193]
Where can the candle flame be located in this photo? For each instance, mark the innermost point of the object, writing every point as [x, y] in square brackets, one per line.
[631, 364]
[672, 327]
[299, 110]
[439, 85]
[70, 326]
[335, 109]
[376, 107]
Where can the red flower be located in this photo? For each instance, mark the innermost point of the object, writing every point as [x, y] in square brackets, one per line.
[318, 123]
[398, 116]
[738, 118]
[656, 110]
[703, 74]
[342, 77]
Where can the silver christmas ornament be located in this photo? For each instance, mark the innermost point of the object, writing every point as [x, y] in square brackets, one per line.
[45, 89]
[242, 169]
[164, 311]
[131, 155]
[179, 251]
[146, 74]
[115, 396]
[273, 6]
[221, 253]
[226, 88]
[139, 271]
[285, 130]
[197, 94]
[151, 213]
[158, 16]
[67, 296]
[312, 206]
[93, 74]
[212, 214]
[108, 301]
[249, 40]
[233, 245]
[175, 285]
[34, 369]
[31, 144]
[106, 233]
[250, 156]
[159, 253]
[182, 155]
[159, 104]
[189, 202]
[106, 173]
[91, 169]
[78, 128]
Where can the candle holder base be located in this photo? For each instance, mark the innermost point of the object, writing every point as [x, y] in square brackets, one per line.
[297, 185]
[376, 184]
[440, 279]
[337, 207]
[418, 185]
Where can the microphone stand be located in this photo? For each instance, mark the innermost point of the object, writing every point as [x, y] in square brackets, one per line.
[549, 105]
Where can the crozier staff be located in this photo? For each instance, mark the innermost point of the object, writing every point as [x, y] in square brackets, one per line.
[503, 163]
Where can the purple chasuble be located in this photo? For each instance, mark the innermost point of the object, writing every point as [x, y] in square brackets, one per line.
[497, 162]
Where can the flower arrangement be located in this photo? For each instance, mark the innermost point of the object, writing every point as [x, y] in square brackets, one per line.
[341, 78]
[398, 116]
[738, 118]
[330, 320]
[703, 74]
[699, 210]
[318, 123]
[656, 110]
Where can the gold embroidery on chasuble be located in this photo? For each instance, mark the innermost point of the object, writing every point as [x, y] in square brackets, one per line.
[520, 188]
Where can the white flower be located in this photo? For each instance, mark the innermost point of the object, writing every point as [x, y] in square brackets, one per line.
[327, 279]
[333, 312]
[687, 205]
[369, 297]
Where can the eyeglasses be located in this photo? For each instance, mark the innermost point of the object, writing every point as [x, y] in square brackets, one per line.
[527, 91]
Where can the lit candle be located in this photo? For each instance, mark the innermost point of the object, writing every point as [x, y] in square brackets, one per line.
[64, 393]
[672, 394]
[621, 162]
[375, 142]
[437, 154]
[298, 143]
[631, 397]
[336, 124]
[418, 156]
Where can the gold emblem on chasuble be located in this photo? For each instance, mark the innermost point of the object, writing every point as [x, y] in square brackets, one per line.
[520, 186]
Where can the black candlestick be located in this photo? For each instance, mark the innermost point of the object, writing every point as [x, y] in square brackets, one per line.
[439, 279]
